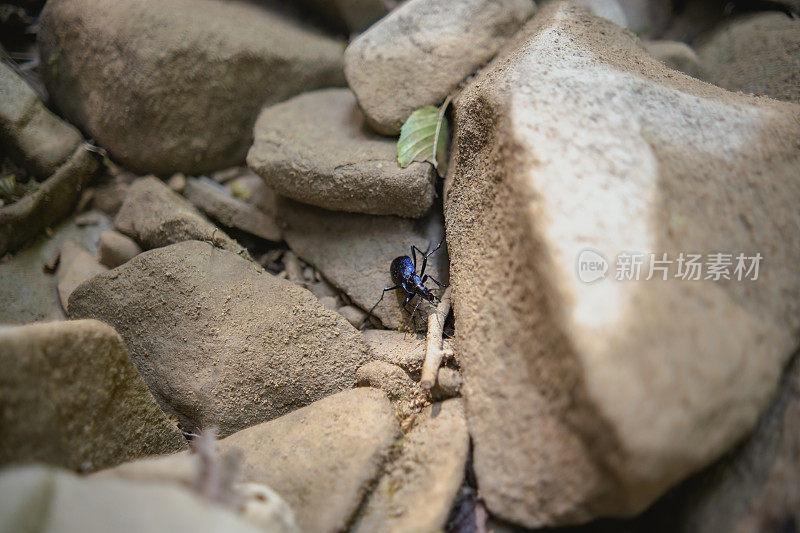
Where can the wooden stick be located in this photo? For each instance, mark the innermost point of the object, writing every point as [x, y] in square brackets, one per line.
[433, 352]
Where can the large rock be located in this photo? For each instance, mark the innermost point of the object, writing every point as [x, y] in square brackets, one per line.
[417, 491]
[34, 137]
[176, 85]
[315, 148]
[218, 340]
[590, 399]
[53, 200]
[354, 252]
[37, 498]
[28, 293]
[321, 459]
[70, 396]
[755, 54]
[155, 216]
[422, 50]
[756, 487]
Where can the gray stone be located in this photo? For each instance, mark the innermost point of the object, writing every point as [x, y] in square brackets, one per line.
[401, 349]
[218, 340]
[755, 54]
[354, 315]
[389, 378]
[315, 148]
[155, 216]
[75, 266]
[421, 51]
[592, 399]
[34, 137]
[37, 498]
[329, 302]
[756, 487]
[418, 490]
[249, 186]
[214, 201]
[71, 397]
[114, 249]
[27, 292]
[176, 86]
[648, 17]
[23, 220]
[354, 251]
[323, 458]
[676, 55]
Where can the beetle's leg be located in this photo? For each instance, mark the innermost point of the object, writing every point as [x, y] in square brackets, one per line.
[414, 251]
[429, 277]
[387, 289]
[410, 296]
[427, 255]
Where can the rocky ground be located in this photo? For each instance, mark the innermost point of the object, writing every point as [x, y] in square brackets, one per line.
[200, 201]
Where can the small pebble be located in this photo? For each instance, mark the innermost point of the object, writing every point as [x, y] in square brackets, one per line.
[114, 249]
[89, 219]
[322, 289]
[353, 314]
[329, 302]
[177, 183]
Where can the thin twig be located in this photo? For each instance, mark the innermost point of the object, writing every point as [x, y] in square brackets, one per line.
[434, 352]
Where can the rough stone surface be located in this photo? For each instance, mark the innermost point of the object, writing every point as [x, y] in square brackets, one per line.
[218, 340]
[756, 487]
[34, 137]
[755, 54]
[230, 211]
[323, 458]
[166, 92]
[37, 498]
[75, 266]
[438, 41]
[354, 252]
[52, 201]
[676, 55]
[315, 148]
[71, 397]
[586, 400]
[155, 216]
[114, 248]
[417, 491]
[27, 292]
[391, 379]
[401, 349]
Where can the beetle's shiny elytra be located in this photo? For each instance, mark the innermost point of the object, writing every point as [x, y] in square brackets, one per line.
[404, 276]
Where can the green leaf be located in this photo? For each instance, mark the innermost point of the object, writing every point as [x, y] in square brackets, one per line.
[424, 137]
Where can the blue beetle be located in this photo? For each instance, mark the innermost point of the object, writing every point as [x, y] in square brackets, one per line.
[404, 276]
